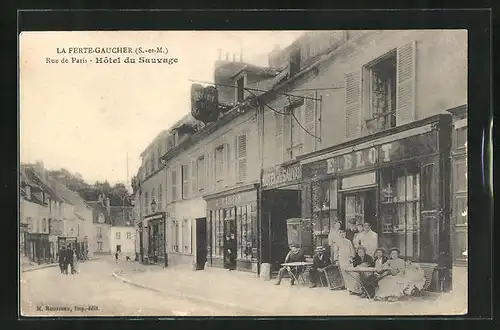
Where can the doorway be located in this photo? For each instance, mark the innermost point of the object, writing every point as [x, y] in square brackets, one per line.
[229, 238]
[201, 243]
[118, 248]
[361, 206]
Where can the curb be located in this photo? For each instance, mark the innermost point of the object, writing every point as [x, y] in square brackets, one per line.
[49, 266]
[199, 299]
[37, 268]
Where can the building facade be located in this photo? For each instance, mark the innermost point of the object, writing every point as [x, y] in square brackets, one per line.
[122, 232]
[365, 99]
[101, 223]
[344, 126]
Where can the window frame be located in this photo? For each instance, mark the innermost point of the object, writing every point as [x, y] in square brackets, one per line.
[185, 181]
[367, 92]
[219, 163]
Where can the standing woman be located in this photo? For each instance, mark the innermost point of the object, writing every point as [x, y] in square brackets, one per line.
[344, 258]
[333, 236]
[62, 258]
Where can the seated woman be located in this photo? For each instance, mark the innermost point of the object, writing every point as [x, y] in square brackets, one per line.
[398, 278]
[362, 259]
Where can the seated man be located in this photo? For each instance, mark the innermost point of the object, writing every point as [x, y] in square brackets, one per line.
[296, 254]
[321, 262]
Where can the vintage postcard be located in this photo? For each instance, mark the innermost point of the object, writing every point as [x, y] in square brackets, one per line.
[243, 173]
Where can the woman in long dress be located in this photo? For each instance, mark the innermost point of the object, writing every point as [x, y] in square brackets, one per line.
[399, 278]
[344, 254]
[333, 236]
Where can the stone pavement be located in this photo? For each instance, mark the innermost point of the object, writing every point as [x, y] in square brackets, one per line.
[253, 296]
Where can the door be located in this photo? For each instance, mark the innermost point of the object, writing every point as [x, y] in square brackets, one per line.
[229, 217]
[361, 206]
[201, 243]
[119, 248]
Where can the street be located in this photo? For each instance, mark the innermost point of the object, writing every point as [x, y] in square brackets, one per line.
[47, 292]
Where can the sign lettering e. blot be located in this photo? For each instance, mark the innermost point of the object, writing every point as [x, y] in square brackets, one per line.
[360, 159]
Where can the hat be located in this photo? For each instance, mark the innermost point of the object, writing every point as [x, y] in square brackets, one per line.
[319, 249]
[380, 249]
[395, 249]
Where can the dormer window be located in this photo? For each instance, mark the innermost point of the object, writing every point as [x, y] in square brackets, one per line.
[240, 89]
[28, 192]
[294, 62]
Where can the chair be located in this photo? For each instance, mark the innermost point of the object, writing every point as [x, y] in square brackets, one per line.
[429, 271]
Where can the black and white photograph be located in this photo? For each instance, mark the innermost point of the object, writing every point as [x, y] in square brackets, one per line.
[243, 173]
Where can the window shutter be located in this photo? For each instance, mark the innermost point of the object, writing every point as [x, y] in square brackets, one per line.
[310, 124]
[405, 92]
[227, 162]
[174, 184]
[185, 180]
[194, 170]
[352, 104]
[279, 119]
[242, 157]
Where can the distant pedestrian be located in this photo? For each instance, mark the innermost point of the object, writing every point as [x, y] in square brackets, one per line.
[116, 256]
[70, 260]
[62, 259]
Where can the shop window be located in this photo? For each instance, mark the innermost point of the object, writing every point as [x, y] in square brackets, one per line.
[400, 212]
[185, 181]
[325, 206]
[245, 232]
[220, 233]
[429, 187]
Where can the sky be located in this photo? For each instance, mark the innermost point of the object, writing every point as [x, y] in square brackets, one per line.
[87, 117]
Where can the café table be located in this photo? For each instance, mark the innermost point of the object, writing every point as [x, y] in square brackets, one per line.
[360, 269]
[295, 269]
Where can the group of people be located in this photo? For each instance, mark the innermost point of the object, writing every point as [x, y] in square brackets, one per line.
[377, 275]
[67, 258]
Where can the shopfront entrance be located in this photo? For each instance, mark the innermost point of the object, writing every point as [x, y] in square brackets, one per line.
[360, 206]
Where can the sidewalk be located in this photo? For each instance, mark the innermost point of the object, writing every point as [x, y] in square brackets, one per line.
[251, 296]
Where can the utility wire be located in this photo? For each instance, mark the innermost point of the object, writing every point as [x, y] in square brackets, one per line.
[254, 89]
[292, 114]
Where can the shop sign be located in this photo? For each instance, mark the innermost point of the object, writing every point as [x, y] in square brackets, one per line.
[237, 199]
[360, 159]
[279, 175]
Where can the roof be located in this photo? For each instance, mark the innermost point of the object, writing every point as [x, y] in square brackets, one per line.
[268, 84]
[36, 178]
[67, 193]
[25, 178]
[258, 70]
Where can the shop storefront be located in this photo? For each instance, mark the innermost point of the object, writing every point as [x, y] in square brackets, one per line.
[397, 181]
[232, 229]
[154, 225]
[281, 200]
[459, 226]
[38, 247]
